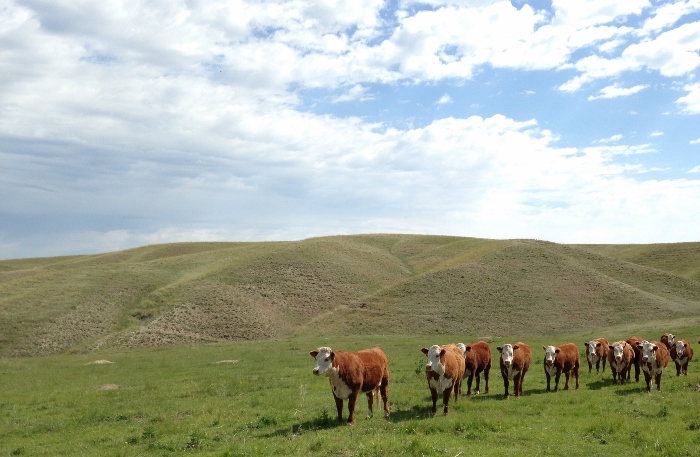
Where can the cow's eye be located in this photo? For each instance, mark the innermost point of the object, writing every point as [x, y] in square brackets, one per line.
[327, 358]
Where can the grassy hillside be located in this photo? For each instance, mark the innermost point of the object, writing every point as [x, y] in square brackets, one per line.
[366, 284]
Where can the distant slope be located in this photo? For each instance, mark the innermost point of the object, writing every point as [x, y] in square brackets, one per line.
[208, 292]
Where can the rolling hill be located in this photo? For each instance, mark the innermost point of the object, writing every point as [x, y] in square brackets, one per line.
[370, 284]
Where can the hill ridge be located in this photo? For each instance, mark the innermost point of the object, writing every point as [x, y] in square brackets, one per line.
[185, 293]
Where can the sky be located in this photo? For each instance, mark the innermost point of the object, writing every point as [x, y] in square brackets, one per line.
[126, 123]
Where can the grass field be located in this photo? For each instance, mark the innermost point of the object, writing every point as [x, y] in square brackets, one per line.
[260, 398]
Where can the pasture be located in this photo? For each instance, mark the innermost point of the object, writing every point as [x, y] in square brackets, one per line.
[260, 398]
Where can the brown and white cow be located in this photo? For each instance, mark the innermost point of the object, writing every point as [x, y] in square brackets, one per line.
[351, 373]
[653, 362]
[670, 341]
[596, 352]
[632, 341]
[444, 371]
[684, 352]
[515, 361]
[477, 359]
[561, 359]
[621, 358]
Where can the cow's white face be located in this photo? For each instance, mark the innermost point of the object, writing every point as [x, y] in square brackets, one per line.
[549, 355]
[648, 351]
[462, 347]
[324, 361]
[592, 347]
[680, 347]
[434, 364]
[507, 354]
[618, 350]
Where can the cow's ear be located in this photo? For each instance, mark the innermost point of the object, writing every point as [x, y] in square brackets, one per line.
[500, 348]
[468, 349]
[332, 356]
[557, 351]
[516, 346]
[639, 345]
[655, 348]
[442, 352]
[598, 345]
[313, 354]
[545, 348]
[425, 351]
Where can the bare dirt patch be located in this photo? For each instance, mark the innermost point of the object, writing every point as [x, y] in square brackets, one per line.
[99, 362]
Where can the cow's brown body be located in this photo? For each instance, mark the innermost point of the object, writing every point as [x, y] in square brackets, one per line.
[683, 358]
[477, 359]
[450, 380]
[654, 367]
[621, 366]
[356, 372]
[632, 341]
[522, 358]
[599, 356]
[567, 360]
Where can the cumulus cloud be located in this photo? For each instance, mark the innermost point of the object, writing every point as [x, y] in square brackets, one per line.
[690, 103]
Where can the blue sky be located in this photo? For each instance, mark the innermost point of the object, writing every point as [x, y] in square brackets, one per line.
[128, 123]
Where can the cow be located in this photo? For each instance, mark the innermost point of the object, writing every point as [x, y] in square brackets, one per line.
[351, 373]
[596, 352]
[670, 341]
[515, 361]
[684, 352]
[444, 371]
[632, 341]
[477, 359]
[654, 359]
[561, 359]
[621, 358]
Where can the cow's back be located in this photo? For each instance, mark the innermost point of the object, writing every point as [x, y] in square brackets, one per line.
[479, 355]
[375, 366]
[569, 353]
[662, 354]
[522, 356]
[454, 361]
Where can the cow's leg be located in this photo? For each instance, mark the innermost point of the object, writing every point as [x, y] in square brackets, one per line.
[522, 379]
[434, 395]
[576, 373]
[352, 399]
[457, 387]
[470, 379]
[370, 404]
[658, 382]
[384, 390]
[685, 368]
[636, 372]
[566, 383]
[556, 378]
[549, 377]
[604, 361]
[597, 366]
[486, 378]
[647, 379]
[339, 407]
[678, 369]
[517, 379]
[446, 399]
[506, 383]
[590, 367]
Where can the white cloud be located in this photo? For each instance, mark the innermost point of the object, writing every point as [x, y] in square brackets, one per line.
[444, 100]
[355, 93]
[656, 134]
[616, 90]
[612, 139]
[668, 14]
[694, 170]
[695, 141]
[690, 103]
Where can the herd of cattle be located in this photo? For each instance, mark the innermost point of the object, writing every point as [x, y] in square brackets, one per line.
[365, 371]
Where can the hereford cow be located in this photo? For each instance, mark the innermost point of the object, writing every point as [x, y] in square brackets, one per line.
[515, 361]
[684, 352]
[596, 352]
[444, 372]
[477, 359]
[561, 359]
[632, 341]
[621, 358]
[653, 362]
[670, 341]
[351, 373]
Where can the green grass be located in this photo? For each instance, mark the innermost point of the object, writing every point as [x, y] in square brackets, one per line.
[179, 401]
